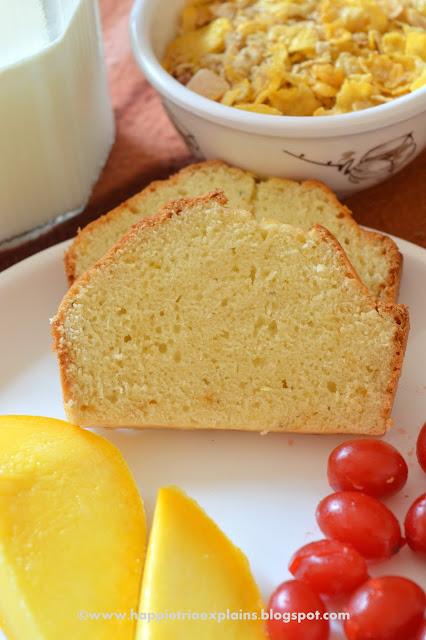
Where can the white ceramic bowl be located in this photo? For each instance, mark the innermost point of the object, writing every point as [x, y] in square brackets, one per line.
[348, 152]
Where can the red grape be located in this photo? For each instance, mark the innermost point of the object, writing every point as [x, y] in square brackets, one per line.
[388, 608]
[421, 633]
[415, 525]
[331, 567]
[371, 466]
[421, 448]
[297, 598]
[361, 521]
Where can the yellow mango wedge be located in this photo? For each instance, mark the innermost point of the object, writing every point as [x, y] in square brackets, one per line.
[72, 533]
[191, 566]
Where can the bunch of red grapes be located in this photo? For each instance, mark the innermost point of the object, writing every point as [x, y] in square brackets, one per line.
[359, 528]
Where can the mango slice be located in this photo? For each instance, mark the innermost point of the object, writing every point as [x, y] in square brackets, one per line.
[72, 533]
[193, 568]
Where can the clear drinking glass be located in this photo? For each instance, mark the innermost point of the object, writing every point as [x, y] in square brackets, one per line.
[56, 120]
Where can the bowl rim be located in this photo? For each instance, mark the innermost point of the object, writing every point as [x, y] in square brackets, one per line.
[373, 118]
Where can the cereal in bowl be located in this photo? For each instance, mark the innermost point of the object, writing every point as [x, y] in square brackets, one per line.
[301, 58]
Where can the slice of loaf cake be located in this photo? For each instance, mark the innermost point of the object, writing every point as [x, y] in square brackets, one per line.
[374, 257]
[203, 317]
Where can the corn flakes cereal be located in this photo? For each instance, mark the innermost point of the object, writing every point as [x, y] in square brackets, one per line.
[301, 57]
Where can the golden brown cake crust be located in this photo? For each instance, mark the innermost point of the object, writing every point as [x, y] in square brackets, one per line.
[389, 289]
[174, 208]
[70, 256]
[402, 319]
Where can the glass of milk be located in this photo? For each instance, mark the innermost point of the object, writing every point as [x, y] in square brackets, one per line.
[56, 120]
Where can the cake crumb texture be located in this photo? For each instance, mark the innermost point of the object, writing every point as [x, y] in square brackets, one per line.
[203, 317]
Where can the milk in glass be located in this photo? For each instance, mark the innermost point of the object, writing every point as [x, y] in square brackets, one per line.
[56, 121]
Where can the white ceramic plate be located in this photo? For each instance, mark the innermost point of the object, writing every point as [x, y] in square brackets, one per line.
[261, 490]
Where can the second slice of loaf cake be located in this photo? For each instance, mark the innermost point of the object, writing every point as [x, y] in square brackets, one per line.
[374, 256]
[202, 317]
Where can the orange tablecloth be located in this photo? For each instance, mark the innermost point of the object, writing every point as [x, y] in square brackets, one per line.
[147, 148]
